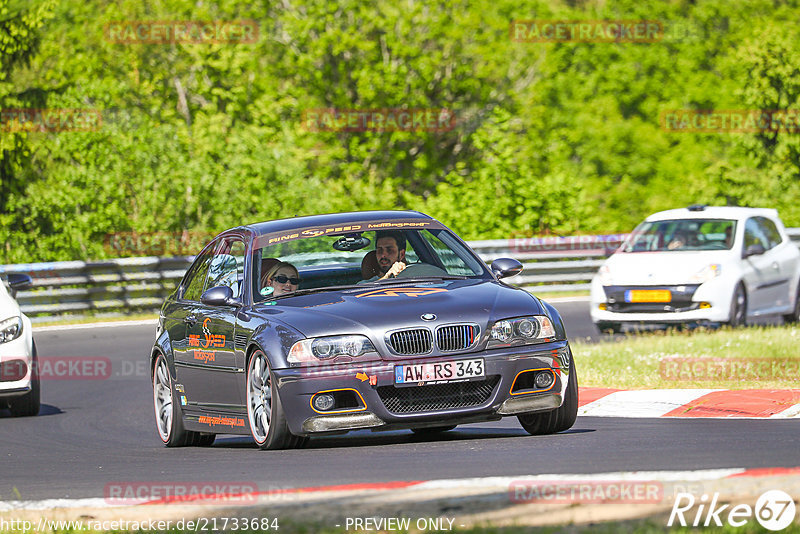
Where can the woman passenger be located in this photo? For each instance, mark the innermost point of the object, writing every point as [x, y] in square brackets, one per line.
[283, 278]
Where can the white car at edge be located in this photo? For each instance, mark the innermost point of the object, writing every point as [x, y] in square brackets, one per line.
[19, 380]
[700, 265]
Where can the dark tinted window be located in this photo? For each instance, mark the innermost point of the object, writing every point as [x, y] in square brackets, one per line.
[195, 281]
[754, 234]
[770, 231]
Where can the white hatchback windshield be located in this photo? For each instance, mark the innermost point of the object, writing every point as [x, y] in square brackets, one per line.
[682, 235]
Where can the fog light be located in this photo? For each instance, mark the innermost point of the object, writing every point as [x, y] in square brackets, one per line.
[544, 380]
[705, 305]
[323, 402]
[602, 307]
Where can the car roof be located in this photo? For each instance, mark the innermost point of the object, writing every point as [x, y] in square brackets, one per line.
[330, 219]
[714, 212]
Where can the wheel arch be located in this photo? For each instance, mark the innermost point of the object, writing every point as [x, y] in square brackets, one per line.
[162, 348]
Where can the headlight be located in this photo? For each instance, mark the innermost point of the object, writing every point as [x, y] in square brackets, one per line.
[314, 350]
[605, 275]
[521, 331]
[709, 272]
[10, 329]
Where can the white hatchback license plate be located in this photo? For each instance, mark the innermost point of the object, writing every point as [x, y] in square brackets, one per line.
[438, 372]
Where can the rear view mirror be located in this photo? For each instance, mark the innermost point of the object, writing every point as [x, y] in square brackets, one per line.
[218, 296]
[505, 267]
[351, 242]
[19, 282]
[755, 249]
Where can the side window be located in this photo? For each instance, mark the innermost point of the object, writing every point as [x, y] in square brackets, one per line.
[770, 231]
[452, 262]
[754, 234]
[195, 282]
[227, 267]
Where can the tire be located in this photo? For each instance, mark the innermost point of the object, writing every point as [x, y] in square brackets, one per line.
[738, 315]
[265, 414]
[608, 326]
[169, 419]
[794, 317]
[28, 405]
[559, 419]
[433, 430]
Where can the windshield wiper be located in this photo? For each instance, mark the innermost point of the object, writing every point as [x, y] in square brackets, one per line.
[415, 279]
[314, 290]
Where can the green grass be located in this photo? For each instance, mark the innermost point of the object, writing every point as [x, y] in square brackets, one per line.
[694, 359]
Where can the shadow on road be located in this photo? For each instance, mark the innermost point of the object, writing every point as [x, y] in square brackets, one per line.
[45, 410]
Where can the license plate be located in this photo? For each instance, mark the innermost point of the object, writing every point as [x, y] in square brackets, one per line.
[648, 295]
[438, 372]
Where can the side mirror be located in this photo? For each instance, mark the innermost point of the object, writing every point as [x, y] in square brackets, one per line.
[218, 296]
[754, 250]
[19, 282]
[505, 267]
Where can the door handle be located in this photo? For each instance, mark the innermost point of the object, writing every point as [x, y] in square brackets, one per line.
[776, 266]
[190, 319]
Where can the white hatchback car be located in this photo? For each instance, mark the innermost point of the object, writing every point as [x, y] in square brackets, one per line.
[700, 265]
[19, 378]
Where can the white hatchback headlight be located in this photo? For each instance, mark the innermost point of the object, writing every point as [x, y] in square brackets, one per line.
[10, 329]
[605, 275]
[709, 272]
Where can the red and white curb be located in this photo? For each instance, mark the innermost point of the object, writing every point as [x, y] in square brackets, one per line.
[489, 483]
[697, 403]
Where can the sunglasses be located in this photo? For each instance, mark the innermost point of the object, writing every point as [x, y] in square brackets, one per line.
[282, 279]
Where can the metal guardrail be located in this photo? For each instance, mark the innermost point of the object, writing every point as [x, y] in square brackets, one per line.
[138, 285]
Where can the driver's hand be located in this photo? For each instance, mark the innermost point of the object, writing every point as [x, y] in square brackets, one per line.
[396, 269]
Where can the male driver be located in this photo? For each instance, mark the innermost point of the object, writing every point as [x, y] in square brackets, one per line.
[390, 251]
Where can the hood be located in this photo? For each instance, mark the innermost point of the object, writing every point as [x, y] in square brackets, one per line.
[660, 268]
[377, 309]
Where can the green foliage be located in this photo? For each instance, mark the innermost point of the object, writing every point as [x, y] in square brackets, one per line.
[550, 137]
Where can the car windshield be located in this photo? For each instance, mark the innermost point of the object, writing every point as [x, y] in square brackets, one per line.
[360, 258]
[681, 235]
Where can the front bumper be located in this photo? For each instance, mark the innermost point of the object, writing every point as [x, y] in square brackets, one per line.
[689, 303]
[16, 363]
[379, 404]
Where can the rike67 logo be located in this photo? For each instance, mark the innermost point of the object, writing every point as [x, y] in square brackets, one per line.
[774, 510]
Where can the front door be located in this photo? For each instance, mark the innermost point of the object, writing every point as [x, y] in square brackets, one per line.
[210, 371]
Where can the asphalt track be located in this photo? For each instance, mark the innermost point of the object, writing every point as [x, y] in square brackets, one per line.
[97, 432]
